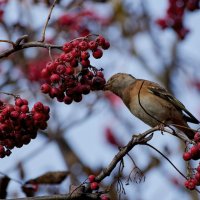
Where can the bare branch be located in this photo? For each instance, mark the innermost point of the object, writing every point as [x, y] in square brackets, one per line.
[8, 41]
[47, 21]
[28, 45]
[81, 196]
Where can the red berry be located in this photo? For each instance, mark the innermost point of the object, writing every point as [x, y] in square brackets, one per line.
[76, 53]
[197, 137]
[197, 176]
[51, 67]
[55, 78]
[24, 109]
[68, 57]
[75, 43]
[92, 45]
[25, 102]
[85, 55]
[77, 98]
[198, 168]
[54, 92]
[91, 178]
[23, 116]
[83, 45]
[45, 73]
[74, 63]
[38, 116]
[85, 89]
[67, 47]
[67, 100]
[46, 109]
[69, 70]
[162, 23]
[98, 53]
[190, 184]
[38, 106]
[45, 88]
[98, 83]
[94, 186]
[187, 156]
[60, 69]
[19, 102]
[194, 150]
[85, 63]
[14, 114]
[106, 45]
[100, 74]
[100, 40]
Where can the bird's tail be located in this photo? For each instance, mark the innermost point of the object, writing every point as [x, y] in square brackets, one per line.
[186, 130]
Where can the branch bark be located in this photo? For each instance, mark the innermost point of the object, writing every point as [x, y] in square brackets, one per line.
[28, 45]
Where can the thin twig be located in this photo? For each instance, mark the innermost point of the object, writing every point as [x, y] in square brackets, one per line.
[8, 41]
[47, 21]
[10, 94]
[12, 179]
[169, 162]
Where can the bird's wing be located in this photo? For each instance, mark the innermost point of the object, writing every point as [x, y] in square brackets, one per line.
[164, 94]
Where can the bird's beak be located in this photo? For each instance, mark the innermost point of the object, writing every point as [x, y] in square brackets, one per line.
[106, 86]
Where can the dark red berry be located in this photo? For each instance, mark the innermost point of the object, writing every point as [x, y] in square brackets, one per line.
[55, 78]
[38, 106]
[67, 47]
[83, 45]
[91, 178]
[98, 53]
[69, 70]
[92, 45]
[187, 156]
[85, 55]
[94, 186]
[67, 100]
[45, 88]
[106, 45]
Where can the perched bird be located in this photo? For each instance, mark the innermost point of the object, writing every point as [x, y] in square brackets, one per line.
[151, 103]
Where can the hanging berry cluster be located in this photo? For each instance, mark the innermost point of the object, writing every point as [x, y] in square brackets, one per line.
[175, 15]
[18, 124]
[71, 75]
[193, 154]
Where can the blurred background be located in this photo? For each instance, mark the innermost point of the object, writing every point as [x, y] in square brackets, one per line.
[150, 39]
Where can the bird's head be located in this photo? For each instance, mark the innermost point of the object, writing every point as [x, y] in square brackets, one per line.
[118, 82]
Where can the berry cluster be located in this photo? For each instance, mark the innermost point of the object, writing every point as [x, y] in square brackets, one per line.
[193, 154]
[175, 15]
[95, 186]
[78, 23]
[34, 68]
[71, 75]
[18, 124]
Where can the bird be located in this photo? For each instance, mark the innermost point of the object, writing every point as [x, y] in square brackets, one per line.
[151, 103]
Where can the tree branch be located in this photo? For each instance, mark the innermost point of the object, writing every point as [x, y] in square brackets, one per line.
[28, 45]
[81, 196]
[47, 21]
